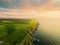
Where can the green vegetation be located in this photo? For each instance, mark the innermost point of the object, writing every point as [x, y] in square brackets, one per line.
[2, 32]
[16, 31]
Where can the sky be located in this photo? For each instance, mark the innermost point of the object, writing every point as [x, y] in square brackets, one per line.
[19, 8]
[19, 3]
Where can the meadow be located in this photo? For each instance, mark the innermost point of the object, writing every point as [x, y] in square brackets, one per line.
[16, 31]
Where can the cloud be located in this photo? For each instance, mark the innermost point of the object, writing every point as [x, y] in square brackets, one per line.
[4, 3]
[38, 1]
[10, 3]
[18, 3]
[57, 2]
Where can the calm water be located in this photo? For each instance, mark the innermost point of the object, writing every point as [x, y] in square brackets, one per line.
[50, 26]
[48, 32]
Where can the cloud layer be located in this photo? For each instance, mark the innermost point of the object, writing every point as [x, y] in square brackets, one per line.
[9, 3]
[19, 3]
[13, 7]
[16, 4]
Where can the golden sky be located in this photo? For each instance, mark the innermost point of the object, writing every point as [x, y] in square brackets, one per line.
[30, 8]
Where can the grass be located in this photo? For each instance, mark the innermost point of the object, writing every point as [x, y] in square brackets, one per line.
[14, 30]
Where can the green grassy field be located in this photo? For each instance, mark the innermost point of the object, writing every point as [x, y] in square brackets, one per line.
[16, 31]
